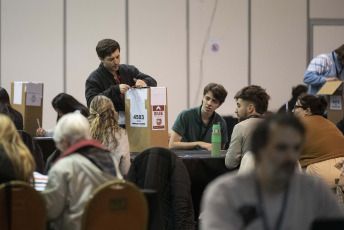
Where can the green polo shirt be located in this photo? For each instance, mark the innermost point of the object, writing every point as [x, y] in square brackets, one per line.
[190, 126]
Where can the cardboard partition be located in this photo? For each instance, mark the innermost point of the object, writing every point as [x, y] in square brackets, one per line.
[27, 98]
[146, 118]
[335, 99]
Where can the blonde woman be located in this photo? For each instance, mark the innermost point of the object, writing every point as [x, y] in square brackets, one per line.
[16, 161]
[104, 128]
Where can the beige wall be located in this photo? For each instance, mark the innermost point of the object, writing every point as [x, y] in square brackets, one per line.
[32, 42]
[279, 47]
[32, 47]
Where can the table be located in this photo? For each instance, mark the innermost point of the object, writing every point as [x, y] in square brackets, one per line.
[202, 168]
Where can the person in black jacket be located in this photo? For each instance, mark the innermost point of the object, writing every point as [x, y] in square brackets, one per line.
[5, 108]
[113, 79]
[297, 91]
[161, 170]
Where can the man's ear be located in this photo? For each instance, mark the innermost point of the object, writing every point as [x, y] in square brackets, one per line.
[65, 143]
[251, 108]
[101, 59]
[308, 112]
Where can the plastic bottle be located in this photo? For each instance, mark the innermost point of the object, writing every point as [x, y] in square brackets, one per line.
[216, 141]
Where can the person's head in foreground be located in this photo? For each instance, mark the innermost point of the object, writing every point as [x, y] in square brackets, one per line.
[70, 129]
[251, 101]
[11, 144]
[277, 143]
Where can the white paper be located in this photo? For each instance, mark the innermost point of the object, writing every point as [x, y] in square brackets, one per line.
[17, 94]
[335, 103]
[138, 112]
[121, 118]
[33, 93]
[158, 95]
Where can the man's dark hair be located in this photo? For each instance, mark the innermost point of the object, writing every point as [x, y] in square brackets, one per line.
[219, 92]
[255, 94]
[317, 105]
[260, 135]
[299, 90]
[106, 47]
[340, 52]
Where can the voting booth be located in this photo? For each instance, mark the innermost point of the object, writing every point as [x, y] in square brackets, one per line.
[27, 98]
[334, 92]
[146, 119]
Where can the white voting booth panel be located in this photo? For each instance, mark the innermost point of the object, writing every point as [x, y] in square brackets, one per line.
[27, 98]
[146, 118]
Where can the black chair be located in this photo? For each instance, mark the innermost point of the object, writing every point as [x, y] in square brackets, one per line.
[161, 170]
[34, 149]
[231, 122]
[328, 224]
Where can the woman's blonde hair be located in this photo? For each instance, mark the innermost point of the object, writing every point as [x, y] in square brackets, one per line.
[103, 120]
[20, 156]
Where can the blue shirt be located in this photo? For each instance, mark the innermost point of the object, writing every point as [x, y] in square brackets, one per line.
[320, 68]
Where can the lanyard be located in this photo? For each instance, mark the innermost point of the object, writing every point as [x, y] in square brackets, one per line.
[263, 211]
[334, 60]
[254, 116]
[202, 135]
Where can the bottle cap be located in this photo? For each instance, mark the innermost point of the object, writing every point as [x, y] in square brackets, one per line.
[216, 127]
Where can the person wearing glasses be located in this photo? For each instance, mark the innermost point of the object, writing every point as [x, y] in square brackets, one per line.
[324, 67]
[324, 143]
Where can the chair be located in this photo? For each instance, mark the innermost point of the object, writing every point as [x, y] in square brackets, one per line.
[34, 148]
[21, 207]
[161, 170]
[328, 224]
[117, 204]
[231, 122]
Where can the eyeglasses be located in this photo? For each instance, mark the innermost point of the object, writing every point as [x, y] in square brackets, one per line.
[299, 106]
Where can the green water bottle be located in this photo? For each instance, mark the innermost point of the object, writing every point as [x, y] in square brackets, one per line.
[216, 141]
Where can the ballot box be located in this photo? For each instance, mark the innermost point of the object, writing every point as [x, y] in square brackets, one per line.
[27, 98]
[146, 118]
[334, 92]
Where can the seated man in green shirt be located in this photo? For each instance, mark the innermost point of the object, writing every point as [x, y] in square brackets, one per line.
[193, 127]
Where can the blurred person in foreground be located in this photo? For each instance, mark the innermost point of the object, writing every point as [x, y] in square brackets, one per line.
[104, 128]
[6, 108]
[272, 196]
[324, 144]
[83, 166]
[16, 161]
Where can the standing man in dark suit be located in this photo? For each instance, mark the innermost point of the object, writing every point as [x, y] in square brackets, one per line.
[113, 79]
